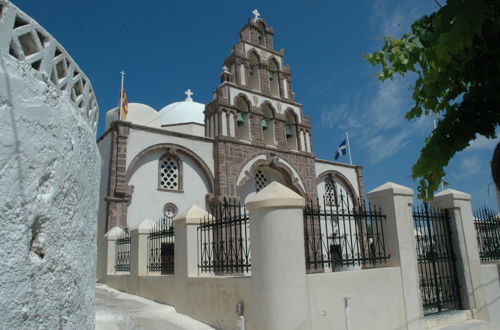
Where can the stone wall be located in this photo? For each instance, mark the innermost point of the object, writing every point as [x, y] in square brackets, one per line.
[49, 179]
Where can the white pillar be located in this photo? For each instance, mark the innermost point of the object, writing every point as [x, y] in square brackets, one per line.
[139, 248]
[302, 142]
[224, 123]
[308, 142]
[231, 125]
[395, 202]
[111, 237]
[278, 263]
[185, 249]
[465, 247]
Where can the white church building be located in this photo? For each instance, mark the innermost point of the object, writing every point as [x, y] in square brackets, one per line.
[252, 133]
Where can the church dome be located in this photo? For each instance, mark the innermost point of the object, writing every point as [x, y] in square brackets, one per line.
[138, 113]
[187, 111]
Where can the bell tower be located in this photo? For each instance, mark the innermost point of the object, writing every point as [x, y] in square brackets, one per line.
[254, 114]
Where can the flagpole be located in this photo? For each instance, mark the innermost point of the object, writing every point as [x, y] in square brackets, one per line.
[348, 147]
[121, 96]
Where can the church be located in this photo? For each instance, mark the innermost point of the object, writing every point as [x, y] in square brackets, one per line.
[253, 132]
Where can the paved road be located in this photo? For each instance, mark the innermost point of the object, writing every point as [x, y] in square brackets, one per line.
[116, 310]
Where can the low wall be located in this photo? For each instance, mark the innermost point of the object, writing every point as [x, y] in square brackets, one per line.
[490, 276]
[376, 299]
[209, 299]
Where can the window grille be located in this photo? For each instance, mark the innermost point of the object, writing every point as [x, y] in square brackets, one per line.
[330, 193]
[169, 173]
[260, 180]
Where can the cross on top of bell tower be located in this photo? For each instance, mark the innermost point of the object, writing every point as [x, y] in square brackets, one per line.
[256, 14]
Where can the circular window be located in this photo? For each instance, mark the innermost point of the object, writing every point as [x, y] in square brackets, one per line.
[170, 210]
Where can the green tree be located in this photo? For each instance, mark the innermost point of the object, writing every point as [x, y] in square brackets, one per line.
[455, 53]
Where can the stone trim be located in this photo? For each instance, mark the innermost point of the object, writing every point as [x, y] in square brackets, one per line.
[331, 162]
[272, 162]
[154, 130]
[273, 149]
[175, 149]
[361, 185]
[335, 175]
[269, 96]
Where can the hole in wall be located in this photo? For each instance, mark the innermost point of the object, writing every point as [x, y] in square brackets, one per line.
[36, 244]
[13, 52]
[1, 11]
[58, 52]
[36, 65]
[28, 44]
[19, 22]
[43, 39]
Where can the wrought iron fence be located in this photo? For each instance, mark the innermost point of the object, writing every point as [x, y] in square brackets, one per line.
[224, 240]
[122, 249]
[161, 247]
[342, 233]
[487, 225]
[439, 285]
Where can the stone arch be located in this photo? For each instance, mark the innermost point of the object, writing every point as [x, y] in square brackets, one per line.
[242, 124]
[173, 148]
[290, 174]
[291, 129]
[254, 61]
[245, 97]
[337, 176]
[273, 73]
[268, 123]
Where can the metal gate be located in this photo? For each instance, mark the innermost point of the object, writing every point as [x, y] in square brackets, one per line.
[436, 261]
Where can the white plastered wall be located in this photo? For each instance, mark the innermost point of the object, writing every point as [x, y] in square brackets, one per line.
[147, 200]
[347, 171]
[49, 187]
[139, 140]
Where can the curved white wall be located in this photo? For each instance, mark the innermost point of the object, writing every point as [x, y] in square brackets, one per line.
[49, 181]
[147, 201]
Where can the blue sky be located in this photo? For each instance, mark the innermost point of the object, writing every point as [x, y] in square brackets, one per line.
[166, 47]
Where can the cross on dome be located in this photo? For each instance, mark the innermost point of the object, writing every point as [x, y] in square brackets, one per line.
[189, 94]
[256, 14]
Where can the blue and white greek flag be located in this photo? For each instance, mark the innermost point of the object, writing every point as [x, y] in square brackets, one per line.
[341, 150]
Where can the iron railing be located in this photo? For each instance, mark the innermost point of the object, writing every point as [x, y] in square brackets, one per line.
[487, 225]
[122, 249]
[224, 240]
[161, 247]
[343, 234]
[439, 285]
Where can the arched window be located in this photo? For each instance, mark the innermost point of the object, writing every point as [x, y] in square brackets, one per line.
[330, 192]
[242, 119]
[291, 130]
[267, 124]
[261, 36]
[169, 172]
[253, 71]
[273, 77]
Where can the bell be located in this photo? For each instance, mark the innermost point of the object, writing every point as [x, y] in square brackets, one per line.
[239, 119]
[288, 131]
[264, 124]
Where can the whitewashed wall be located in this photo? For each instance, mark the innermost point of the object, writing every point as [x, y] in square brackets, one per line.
[148, 201]
[49, 181]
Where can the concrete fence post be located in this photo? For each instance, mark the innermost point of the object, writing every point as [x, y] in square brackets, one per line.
[396, 201]
[278, 262]
[111, 237]
[185, 248]
[139, 248]
[466, 250]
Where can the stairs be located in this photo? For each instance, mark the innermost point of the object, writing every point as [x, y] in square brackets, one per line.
[455, 320]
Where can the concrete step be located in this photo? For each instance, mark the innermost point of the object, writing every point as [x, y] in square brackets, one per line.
[455, 320]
